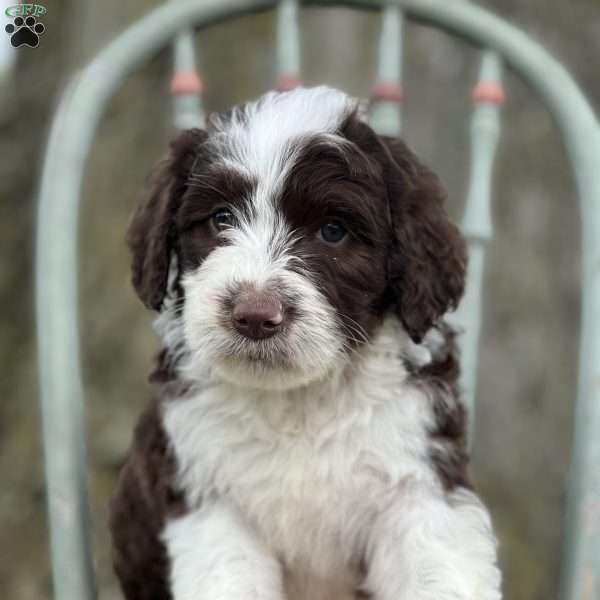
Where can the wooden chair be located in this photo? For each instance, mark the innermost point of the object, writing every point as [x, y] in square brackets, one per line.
[71, 136]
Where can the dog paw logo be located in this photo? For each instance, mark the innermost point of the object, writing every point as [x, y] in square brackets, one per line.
[25, 32]
[25, 29]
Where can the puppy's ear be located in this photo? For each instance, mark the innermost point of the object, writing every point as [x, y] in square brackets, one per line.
[151, 236]
[428, 256]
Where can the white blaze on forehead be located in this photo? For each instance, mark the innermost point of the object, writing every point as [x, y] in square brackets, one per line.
[257, 135]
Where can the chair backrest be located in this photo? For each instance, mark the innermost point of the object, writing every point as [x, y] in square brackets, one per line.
[71, 136]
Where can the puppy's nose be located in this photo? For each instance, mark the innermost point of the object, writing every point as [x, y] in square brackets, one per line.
[257, 315]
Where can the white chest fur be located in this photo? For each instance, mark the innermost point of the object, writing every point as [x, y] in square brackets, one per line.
[307, 469]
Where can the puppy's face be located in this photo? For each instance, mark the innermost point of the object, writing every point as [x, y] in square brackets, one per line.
[289, 230]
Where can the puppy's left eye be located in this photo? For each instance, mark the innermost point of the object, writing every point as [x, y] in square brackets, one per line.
[222, 219]
[333, 232]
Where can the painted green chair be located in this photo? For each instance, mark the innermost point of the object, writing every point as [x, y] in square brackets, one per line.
[71, 136]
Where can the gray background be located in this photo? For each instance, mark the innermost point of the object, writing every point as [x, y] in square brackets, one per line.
[530, 332]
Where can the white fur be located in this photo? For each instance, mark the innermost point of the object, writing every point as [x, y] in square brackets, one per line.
[237, 565]
[259, 135]
[311, 346]
[321, 476]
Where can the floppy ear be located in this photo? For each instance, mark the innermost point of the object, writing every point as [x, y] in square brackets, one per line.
[428, 256]
[150, 235]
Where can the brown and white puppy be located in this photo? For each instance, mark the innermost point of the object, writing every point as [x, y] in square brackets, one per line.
[308, 442]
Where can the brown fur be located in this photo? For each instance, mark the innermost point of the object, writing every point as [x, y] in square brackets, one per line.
[144, 499]
[151, 235]
[428, 263]
[331, 183]
[440, 380]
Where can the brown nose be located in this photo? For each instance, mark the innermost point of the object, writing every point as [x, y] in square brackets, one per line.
[257, 315]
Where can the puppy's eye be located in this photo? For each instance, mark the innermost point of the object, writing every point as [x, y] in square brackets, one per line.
[333, 233]
[222, 219]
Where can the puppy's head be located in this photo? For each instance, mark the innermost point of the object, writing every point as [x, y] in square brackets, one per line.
[279, 238]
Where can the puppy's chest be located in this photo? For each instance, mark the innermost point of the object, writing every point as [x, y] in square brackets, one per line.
[303, 475]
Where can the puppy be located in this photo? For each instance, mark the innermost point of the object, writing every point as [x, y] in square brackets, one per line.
[308, 439]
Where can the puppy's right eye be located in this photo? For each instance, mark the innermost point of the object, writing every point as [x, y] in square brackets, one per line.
[333, 233]
[223, 219]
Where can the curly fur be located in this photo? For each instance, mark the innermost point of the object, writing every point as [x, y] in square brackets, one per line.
[328, 460]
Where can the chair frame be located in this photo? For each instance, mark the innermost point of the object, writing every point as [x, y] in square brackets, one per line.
[71, 137]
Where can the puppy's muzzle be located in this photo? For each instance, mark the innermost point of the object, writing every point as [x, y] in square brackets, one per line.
[257, 315]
